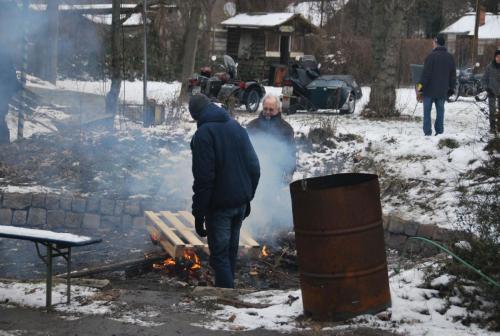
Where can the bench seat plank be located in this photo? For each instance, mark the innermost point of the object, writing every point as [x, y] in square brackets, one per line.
[45, 236]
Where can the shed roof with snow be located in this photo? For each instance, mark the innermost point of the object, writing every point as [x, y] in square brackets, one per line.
[249, 20]
[465, 26]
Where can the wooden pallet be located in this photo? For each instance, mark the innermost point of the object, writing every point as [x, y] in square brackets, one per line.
[175, 232]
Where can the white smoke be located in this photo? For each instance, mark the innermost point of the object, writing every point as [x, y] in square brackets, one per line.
[271, 207]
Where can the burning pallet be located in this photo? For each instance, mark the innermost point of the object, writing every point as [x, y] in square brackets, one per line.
[175, 232]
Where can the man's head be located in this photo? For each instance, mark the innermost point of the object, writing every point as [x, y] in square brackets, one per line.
[270, 106]
[439, 40]
[196, 104]
[497, 56]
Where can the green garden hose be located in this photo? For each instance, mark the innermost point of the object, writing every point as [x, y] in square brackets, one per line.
[441, 247]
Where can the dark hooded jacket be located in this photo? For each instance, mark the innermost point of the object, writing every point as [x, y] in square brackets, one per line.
[225, 167]
[491, 78]
[439, 73]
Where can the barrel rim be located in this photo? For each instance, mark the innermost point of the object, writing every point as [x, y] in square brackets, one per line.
[331, 181]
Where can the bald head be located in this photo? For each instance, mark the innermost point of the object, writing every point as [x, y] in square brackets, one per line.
[270, 106]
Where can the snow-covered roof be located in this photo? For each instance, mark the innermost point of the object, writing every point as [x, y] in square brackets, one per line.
[42, 7]
[465, 26]
[259, 20]
[134, 19]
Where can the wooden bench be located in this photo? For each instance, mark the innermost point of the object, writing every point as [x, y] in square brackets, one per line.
[57, 245]
[175, 232]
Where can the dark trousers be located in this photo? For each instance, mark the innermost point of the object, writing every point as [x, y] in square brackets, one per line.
[494, 104]
[4, 130]
[223, 229]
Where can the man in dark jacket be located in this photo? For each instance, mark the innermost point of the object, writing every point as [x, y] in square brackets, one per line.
[438, 82]
[491, 81]
[270, 124]
[9, 86]
[226, 172]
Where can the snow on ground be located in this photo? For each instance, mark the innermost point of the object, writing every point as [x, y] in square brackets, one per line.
[84, 301]
[400, 149]
[131, 92]
[423, 171]
[415, 311]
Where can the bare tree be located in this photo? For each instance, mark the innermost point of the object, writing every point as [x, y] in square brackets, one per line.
[52, 38]
[388, 22]
[190, 45]
[116, 61]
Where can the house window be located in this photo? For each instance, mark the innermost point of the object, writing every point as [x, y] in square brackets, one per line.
[298, 43]
[245, 46]
[272, 41]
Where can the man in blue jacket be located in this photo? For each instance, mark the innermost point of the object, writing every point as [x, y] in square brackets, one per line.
[437, 82]
[226, 172]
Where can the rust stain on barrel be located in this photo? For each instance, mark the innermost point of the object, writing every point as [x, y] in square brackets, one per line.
[340, 245]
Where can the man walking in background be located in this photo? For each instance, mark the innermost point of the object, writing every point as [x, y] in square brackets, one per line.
[491, 81]
[437, 83]
[226, 172]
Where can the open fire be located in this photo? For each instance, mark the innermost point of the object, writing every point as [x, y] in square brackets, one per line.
[186, 266]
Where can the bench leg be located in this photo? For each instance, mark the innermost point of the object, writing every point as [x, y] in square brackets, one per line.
[48, 292]
[68, 276]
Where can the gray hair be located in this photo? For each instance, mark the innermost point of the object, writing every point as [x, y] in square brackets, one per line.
[273, 97]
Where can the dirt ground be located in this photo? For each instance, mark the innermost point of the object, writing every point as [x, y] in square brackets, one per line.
[174, 321]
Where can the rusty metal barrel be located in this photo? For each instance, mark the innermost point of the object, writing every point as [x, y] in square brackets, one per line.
[340, 246]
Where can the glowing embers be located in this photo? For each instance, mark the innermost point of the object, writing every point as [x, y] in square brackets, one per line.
[186, 266]
[264, 252]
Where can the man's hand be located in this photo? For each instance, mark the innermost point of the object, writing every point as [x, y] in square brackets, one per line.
[200, 227]
[247, 210]
[490, 92]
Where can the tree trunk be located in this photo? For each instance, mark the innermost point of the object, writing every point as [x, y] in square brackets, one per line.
[116, 61]
[388, 24]
[52, 37]
[190, 46]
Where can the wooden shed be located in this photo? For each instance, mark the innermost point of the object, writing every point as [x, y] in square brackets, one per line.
[257, 40]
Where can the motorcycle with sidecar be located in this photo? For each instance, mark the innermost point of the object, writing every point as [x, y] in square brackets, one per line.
[226, 87]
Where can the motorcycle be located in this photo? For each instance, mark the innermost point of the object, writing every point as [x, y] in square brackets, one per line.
[468, 84]
[226, 88]
[306, 89]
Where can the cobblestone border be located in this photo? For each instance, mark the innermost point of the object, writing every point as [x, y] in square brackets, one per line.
[74, 213]
[397, 230]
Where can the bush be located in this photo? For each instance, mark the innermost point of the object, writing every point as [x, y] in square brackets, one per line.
[447, 142]
[479, 218]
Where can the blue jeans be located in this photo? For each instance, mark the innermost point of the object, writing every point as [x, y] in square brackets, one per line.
[439, 124]
[223, 229]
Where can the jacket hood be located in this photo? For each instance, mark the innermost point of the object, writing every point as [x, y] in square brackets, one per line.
[439, 48]
[213, 113]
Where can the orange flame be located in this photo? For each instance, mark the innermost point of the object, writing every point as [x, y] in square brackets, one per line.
[188, 255]
[264, 252]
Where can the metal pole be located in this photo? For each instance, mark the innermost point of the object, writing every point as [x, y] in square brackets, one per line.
[24, 105]
[48, 291]
[145, 79]
[475, 39]
[68, 277]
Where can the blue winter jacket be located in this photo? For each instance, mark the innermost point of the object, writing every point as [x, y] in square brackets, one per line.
[439, 74]
[225, 167]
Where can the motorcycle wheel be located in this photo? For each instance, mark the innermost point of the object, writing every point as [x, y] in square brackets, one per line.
[481, 96]
[253, 101]
[351, 105]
